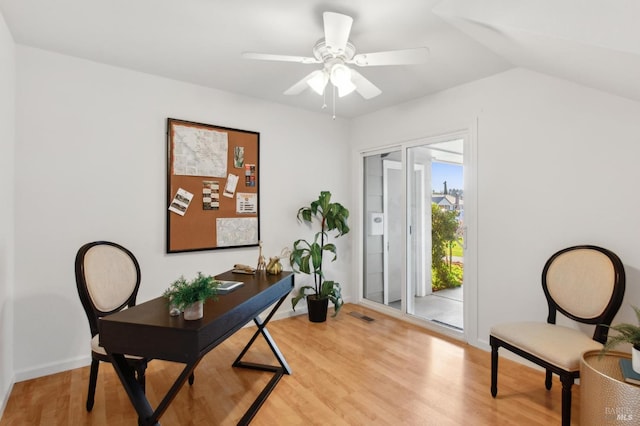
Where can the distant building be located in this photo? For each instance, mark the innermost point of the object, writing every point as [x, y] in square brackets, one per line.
[448, 202]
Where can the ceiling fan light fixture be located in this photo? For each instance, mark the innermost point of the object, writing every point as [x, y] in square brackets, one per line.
[341, 78]
[340, 74]
[318, 81]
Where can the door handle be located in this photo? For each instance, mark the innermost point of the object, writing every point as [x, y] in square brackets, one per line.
[464, 237]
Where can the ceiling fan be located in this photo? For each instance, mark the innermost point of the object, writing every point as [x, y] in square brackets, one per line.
[335, 52]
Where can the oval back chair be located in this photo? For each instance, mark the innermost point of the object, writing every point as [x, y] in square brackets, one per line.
[108, 278]
[584, 283]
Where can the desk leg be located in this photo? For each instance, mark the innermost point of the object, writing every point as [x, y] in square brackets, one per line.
[262, 329]
[146, 414]
[278, 371]
[134, 390]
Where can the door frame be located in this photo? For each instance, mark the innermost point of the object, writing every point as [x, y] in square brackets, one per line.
[470, 288]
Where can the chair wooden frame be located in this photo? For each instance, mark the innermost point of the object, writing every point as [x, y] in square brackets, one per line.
[601, 322]
[94, 314]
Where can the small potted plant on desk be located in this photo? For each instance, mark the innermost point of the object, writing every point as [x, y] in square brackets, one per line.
[307, 257]
[627, 333]
[189, 296]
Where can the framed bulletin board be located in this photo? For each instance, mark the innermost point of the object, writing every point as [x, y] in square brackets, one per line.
[212, 187]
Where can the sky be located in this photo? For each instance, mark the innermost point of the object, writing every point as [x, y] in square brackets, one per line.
[452, 173]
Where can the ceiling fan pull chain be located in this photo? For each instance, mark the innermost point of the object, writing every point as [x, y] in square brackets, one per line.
[334, 101]
[324, 99]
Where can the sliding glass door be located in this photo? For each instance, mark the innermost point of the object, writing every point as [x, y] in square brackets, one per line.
[383, 265]
[413, 240]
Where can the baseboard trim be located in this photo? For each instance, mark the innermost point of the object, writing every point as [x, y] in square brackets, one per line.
[5, 397]
[53, 368]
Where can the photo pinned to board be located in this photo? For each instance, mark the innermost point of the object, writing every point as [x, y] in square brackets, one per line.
[181, 202]
[238, 157]
[230, 187]
[250, 175]
[210, 195]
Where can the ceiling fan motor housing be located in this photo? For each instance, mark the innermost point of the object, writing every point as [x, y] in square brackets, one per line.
[323, 53]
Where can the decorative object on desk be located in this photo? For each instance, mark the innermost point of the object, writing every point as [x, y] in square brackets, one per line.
[189, 296]
[194, 311]
[627, 333]
[174, 311]
[239, 268]
[274, 267]
[307, 257]
[262, 264]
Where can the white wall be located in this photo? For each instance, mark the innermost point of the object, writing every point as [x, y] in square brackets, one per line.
[91, 164]
[557, 166]
[7, 248]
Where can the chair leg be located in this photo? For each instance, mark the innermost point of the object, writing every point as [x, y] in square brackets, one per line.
[548, 379]
[494, 370]
[567, 383]
[93, 379]
[191, 379]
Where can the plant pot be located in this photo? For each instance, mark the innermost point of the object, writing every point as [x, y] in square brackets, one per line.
[635, 359]
[317, 308]
[194, 311]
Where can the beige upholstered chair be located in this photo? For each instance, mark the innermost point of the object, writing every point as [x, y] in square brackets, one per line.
[584, 283]
[108, 278]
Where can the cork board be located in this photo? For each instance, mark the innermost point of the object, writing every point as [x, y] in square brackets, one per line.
[212, 187]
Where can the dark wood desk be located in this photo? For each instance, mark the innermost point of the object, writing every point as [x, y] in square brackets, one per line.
[149, 331]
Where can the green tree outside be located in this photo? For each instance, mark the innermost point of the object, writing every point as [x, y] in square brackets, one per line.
[444, 236]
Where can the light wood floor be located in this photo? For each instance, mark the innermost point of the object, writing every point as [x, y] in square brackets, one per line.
[345, 372]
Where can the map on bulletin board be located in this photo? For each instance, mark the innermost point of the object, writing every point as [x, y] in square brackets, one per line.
[199, 152]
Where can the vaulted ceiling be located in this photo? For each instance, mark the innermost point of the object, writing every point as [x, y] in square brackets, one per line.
[591, 42]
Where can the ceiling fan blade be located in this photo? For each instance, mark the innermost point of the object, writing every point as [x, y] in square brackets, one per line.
[301, 85]
[283, 58]
[337, 28]
[392, 57]
[363, 86]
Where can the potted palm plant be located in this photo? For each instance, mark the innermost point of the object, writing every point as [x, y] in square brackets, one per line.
[627, 333]
[189, 296]
[307, 257]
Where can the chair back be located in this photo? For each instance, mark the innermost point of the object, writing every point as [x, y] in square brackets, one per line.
[585, 283]
[107, 277]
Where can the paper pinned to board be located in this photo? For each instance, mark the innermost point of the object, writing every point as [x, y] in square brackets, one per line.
[230, 187]
[181, 202]
[246, 202]
[236, 231]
